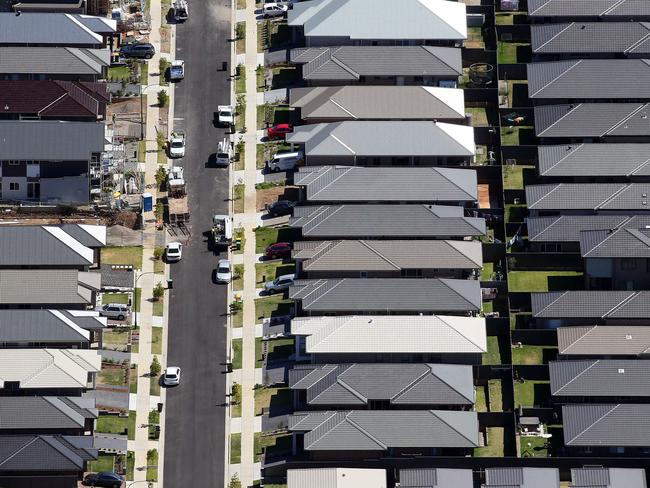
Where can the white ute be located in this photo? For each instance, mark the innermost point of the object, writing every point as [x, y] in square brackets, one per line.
[177, 145]
[226, 117]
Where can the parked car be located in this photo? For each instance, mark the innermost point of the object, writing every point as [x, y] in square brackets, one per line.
[117, 311]
[107, 479]
[172, 376]
[285, 161]
[274, 10]
[177, 70]
[279, 131]
[174, 252]
[138, 50]
[278, 250]
[279, 284]
[224, 271]
[281, 207]
[225, 116]
[177, 145]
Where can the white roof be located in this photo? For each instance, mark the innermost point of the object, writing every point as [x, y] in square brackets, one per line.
[381, 19]
[336, 478]
[392, 334]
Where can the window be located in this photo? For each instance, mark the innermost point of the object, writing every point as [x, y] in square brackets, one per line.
[411, 273]
[628, 263]
[14, 163]
[14, 187]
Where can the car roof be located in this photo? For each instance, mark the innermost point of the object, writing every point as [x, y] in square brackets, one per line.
[116, 305]
[172, 368]
[224, 261]
[172, 245]
[281, 244]
[284, 124]
[287, 277]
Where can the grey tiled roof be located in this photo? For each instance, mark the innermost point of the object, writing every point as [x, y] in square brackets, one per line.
[56, 453]
[567, 228]
[53, 60]
[594, 160]
[591, 37]
[592, 120]
[400, 384]
[86, 234]
[625, 242]
[600, 377]
[590, 79]
[367, 184]
[594, 477]
[398, 221]
[591, 304]
[606, 425]
[379, 430]
[117, 277]
[592, 8]
[45, 413]
[522, 478]
[435, 478]
[47, 286]
[52, 28]
[376, 102]
[353, 62]
[390, 294]
[588, 196]
[352, 255]
[47, 326]
[619, 340]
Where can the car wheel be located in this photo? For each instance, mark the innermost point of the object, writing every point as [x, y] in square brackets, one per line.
[148, 56]
[120, 317]
[276, 170]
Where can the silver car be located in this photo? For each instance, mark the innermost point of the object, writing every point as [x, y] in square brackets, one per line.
[224, 271]
[117, 311]
[279, 284]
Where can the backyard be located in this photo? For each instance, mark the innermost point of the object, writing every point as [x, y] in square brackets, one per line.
[494, 447]
[533, 446]
[529, 393]
[515, 175]
[536, 281]
[493, 355]
[526, 354]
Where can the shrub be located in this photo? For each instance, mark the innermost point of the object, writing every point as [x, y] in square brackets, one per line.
[240, 30]
[155, 367]
[158, 252]
[158, 291]
[163, 98]
[236, 394]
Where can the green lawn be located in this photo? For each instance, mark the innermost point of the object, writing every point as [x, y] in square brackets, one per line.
[105, 462]
[265, 236]
[116, 336]
[240, 115]
[241, 4]
[533, 446]
[272, 114]
[513, 176]
[496, 397]
[236, 353]
[133, 379]
[154, 419]
[240, 42]
[112, 424]
[238, 198]
[115, 298]
[278, 349]
[279, 442]
[235, 448]
[238, 319]
[492, 356]
[154, 386]
[238, 277]
[515, 213]
[269, 271]
[531, 393]
[152, 465]
[112, 376]
[494, 447]
[479, 115]
[239, 240]
[268, 149]
[510, 136]
[119, 73]
[259, 78]
[531, 354]
[163, 66]
[158, 266]
[487, 271]
[122, 255]
[130, 465]
[259, 360]
[507, 52]
[240, 80]
[240, 157]
[280, 397]
[285, 75]
[530, 281]
[158, 307]
[156, 340]
[480, 404]
[271, 306]
[144, 72]
[132, 425]
[474, 38]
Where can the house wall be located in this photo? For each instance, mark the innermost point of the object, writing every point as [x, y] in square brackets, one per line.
[386, 160]
[618, 274]
[70, 189]
[439, 358]
[426, 273]
[322, 41]
[390, 80]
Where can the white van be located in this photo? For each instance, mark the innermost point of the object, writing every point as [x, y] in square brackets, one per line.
[224, 153]
[285, 161]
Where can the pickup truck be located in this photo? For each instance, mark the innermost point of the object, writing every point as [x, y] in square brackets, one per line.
[177, 145]
[177, 70]
[225, 115]
[224, 153]
[179, 11]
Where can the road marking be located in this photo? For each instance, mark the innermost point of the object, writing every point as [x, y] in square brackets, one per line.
[179, 118]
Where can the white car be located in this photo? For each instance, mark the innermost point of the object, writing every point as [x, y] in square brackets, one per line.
[225, 115]
[174, 252]
[274, 10]
[224, 271]
[172, 376]
[177, 145]
[177, 70]
[279, 284]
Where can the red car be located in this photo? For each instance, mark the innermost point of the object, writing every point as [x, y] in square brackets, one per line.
[278, 250]
[279, 131]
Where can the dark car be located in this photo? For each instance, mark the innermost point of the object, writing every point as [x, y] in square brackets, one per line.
[279, 131]
[278, 250]
[138, 50]
[106, 479]
[281, 207]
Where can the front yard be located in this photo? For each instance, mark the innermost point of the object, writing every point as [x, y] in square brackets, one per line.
[272, 398]
[269, 271]
[274, 306]
[131, 255]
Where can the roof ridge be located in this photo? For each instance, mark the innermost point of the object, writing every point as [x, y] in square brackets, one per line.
[329, 169]
[458, 332]
[593, 327]
[576, 63]
[322, 252]
[447, 178]
[447, 383]
[342, 65]
[636, 233]
[641, 166]
[63, 95]
[595, 362]
[411, 384]
[564, 157]
[22, 448]
[613, 7]
[343, 384]
[58, 404]
[626, 118]
[621, 304]
[575, 106]
[554, 301]
[375, 251]
[64, 447]
[438, 57]
[614, 195]
[324, 208]
[596, 421]
[445, 282]
[571, 24]
[639, 41]
[335, 285]
[333, 136]
[541, 6]
[342, 107]
[452, 244]
[608, 236]
[451, 426]
[363, 431]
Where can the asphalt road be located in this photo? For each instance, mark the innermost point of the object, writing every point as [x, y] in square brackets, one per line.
[195, 412]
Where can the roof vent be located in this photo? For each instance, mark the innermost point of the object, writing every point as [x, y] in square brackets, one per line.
[644, 195]
[644, 202]
[628, 337]
[621, 370]
[583, 27]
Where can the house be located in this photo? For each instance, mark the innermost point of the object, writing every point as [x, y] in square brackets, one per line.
[47, 415]
[49, 161]
[48, 371]
[388, 259]
[53, 99]
[589, 79]
[390, 338]
[386, 295]
[385, 143]
[382, 386]
[608, 477]
[379, 65]
[588, 161]
[587, 198]
[369, 102]
[336, 478]
[371, 22]
[58, 6]
[609, 121]
[385, 222]
[597, 380]
[37, 328]
[360, 434]
[587, 39]
[605, 341]
[357, 184]
[521, 478]
[606, 429]
[623, 10]
[435, 478]
[117, 277]
[44, 461]
[61, 63]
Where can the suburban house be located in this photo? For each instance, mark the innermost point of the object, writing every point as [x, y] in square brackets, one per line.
[385, 222]
[558, 308]
[608, 477]
[390, 339]
[379, 65]
[59, 6]
[435, 478]
[604, 341]
[600, 380]
[374, 23]
[589, 79]
[609, 121]
[47, 415]
[67, 372]
[382, 386]
[348, 296]
[521, 478]
[25, 328]
[369, 102]
[336, 478]
[53, 99]
[385, 143]
[117, 277]
[554, 10]
[62, 63]
[358, 184]
[388, 259]
[360, 434]
[607, 429]
[590, 39]
[50, 161]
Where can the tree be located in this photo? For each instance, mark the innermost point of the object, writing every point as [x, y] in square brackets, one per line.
[158, 291]
[155, 367]
[234, 482]
[163, 98]
[236, 394]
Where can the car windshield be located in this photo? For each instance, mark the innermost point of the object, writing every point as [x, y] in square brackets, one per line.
[222, 155]
[226, 113]
[224, 270]
[170, 375]
[177, 144]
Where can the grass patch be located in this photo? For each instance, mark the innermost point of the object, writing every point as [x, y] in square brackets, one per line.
[154, 419]
[531, 393]
[131, 427]
[479, 115]
[130, 255]
[133, 378]
[116, 337]
[235, 448]
[278, 397]
[115, 298]
[240, 80]
[238, 319]
[475, 38]
[238, 235]
[494, 446]
[515, 213]
[137, 296]
[279, 349]
[115, 377]
[238, 277]
[263, 443]
[238, 198]
[272, 114]
[144, 73]
[265, 151]
[105, 462]
[265, 236]
[513, 176]
[240, 38]
[510, 136]
[269, 271]
[532, 354]
[119, 73]
[507, 52]
[273, 306]
[152, 465]
[130, 465]
[241, 4]
[156, 340]
[159, 307]
[285, 76]
[496, 397]
[112, 424]
[154, 386]
[487, 271]
[480, 404]
[163, 65]
[493, 355]
[240, 113]
[259, 78]
[240, 157]
[544, 280]
[236, 353]
[533, 446]
[142, 150]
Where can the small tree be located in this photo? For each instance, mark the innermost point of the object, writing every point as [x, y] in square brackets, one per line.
[234, 482]
[155, 368]
[158, 253]
[161, 176]
[158, 291]
[240, 30]
[236, 394]
[163, 98]
[160, 210]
